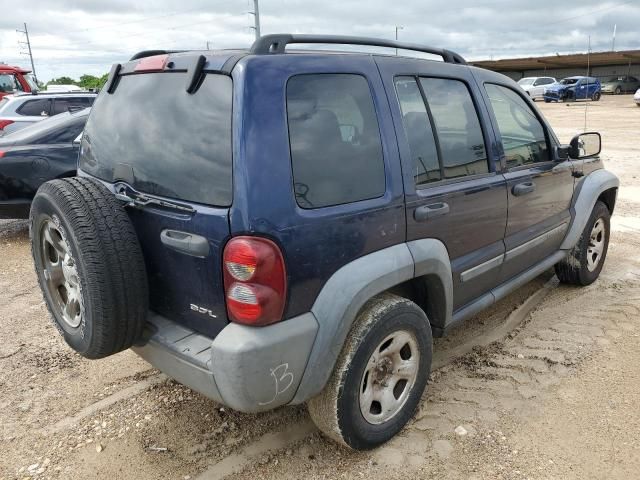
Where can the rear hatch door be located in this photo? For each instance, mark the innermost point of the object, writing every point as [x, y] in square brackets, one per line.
[170, 152]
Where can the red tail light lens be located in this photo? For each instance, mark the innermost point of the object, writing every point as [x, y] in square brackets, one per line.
[255, 281]
[1, 154]
[4, 123]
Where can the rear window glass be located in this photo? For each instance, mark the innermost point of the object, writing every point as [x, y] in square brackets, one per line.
[177, 144]
[336, 151]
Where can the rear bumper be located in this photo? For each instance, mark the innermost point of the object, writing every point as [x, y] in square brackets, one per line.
[15, 208]
[250, 369]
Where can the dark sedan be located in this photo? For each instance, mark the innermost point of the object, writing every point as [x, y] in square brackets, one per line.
[41, 152]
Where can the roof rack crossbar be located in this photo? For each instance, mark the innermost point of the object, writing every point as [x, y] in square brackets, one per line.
[277, 43]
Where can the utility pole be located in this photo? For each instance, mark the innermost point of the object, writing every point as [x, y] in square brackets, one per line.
[613, 41]
[256, 17]
[28, 44]
[398, 27]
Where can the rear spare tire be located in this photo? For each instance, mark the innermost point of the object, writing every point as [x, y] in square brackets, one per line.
[89, 266]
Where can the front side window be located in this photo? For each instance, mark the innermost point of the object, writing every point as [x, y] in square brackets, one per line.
[523, 136]
[336, 151]
[7, 83]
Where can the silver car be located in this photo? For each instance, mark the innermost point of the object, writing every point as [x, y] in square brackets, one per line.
[534, 86]
[20, 110]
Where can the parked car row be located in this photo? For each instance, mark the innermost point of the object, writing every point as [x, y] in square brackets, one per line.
[40, 152]
[20, 110]
[578, 87]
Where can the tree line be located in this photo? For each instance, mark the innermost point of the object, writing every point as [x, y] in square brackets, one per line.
[86, 81]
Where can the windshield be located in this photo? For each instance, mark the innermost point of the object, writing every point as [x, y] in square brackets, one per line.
[32, 82]
[153, 134]
[568, 81]
[526, 81]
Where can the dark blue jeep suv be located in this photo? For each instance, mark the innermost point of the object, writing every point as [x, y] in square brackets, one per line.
[274, 227]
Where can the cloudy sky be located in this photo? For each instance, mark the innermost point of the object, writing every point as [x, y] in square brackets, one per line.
[72, 37]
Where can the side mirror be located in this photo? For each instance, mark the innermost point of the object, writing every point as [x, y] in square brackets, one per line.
[585, 145]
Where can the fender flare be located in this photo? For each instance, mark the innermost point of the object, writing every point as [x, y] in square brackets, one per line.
[348, 289]
[584, 200]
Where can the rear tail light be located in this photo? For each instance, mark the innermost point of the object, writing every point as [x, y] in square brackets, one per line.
[255, 281]
[4, 123]
[1, 154]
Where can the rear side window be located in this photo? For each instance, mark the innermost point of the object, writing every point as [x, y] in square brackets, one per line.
[336, 151]
[35, 108]
[61, 105]
[443, 129]
[426, 167]
[523, 136]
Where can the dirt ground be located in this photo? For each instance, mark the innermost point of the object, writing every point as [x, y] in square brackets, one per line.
[546, 383]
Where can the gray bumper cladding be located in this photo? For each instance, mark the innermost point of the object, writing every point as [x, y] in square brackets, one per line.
[250, 369]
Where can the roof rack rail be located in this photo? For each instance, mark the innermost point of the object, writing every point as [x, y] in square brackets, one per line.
[151, 53]
[277, 43]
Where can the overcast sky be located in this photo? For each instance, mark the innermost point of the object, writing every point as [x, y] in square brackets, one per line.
[72, 37]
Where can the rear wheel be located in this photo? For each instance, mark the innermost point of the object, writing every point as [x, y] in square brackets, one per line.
[585, 261]
[596, 96]
[89, 266]
[380, 376]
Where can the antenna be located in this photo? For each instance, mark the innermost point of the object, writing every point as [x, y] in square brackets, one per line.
[28, 44]
[586, 104]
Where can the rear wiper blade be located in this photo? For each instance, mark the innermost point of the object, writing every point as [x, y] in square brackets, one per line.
[136, 199]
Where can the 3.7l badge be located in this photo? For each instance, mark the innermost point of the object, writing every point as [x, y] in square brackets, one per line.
[204, 311]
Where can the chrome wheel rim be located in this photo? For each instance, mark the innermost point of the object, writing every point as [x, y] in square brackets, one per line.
[389, 377]
[60, 275]
[596, 245]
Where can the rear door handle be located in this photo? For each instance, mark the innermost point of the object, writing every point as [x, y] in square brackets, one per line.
[184, 242]
[523, 188]
[427, 212]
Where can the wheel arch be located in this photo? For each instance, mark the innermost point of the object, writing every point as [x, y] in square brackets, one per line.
[598, 185]
[402, 268]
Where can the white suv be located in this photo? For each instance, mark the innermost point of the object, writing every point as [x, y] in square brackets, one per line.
[21, 110]
[534, 86]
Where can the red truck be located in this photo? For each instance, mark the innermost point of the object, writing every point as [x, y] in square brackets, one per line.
[15, 79]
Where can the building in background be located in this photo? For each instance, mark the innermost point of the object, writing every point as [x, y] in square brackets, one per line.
[600, 64]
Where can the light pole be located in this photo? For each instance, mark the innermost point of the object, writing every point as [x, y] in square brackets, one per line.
[398, 27]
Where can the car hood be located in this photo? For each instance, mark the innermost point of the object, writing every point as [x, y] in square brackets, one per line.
[557, 87]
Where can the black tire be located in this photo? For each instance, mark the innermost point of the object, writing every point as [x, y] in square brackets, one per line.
[547, 101]
[596, 96]
[617, 91]
[574, 269]
[336, 410]
[109, 277]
